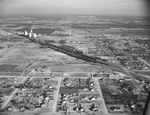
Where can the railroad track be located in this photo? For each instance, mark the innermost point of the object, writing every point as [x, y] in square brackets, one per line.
[79, 55]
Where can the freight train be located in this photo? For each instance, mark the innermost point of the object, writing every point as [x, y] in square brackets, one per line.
[71, 51]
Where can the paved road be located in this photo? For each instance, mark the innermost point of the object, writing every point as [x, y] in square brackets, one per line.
[10, 97]
[15, 91]
[101, 95]
[57, 94]
[144, 61]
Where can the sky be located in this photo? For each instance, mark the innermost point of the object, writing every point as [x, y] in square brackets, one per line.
[104, 7]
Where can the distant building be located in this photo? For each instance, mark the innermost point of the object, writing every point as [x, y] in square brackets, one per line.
[112, 76]
[31, 34]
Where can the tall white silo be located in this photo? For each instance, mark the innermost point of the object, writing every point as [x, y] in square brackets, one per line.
[30, 35]
[34, 35]
[26, 33]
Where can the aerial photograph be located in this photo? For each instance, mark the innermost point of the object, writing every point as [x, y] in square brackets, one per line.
[74, 57]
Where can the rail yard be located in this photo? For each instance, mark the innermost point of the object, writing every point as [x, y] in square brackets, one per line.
[74, 65]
